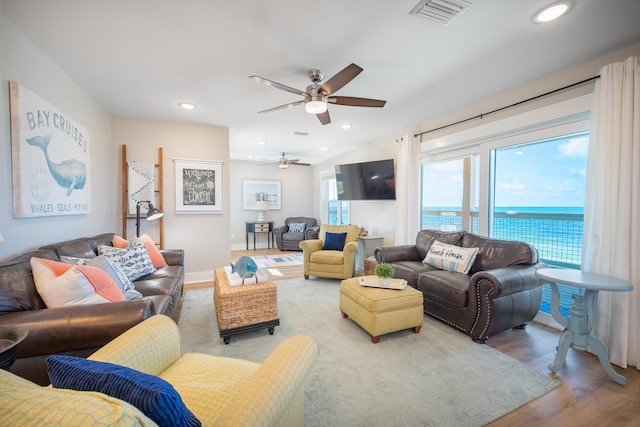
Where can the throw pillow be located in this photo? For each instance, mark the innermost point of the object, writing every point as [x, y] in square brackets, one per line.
[156, 257]
[118, 276]
[334, 241]
[451, 257]
[74, 260]
[152, 395]
[61, 284]
[134, 260]
[297, 227]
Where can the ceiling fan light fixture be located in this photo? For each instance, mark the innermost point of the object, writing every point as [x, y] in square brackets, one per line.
[283, 165]
[316, 104]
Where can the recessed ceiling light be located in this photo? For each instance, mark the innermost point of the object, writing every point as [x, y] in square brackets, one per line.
[186, 106]
[551, 12]
[262, 143]
[249, 156]
[346, 126]
[325, 148]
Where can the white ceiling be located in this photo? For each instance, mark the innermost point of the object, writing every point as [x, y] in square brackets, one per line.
[140, 58]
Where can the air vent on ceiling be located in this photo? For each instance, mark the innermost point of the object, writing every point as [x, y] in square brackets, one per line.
[300, 133]
[441, 11]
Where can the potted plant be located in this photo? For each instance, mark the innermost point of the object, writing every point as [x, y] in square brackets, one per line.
[384, 272]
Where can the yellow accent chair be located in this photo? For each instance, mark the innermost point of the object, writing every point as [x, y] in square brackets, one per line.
[220, 391]
[331, 263]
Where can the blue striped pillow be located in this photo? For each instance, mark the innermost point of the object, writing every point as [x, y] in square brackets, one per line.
[152, 395]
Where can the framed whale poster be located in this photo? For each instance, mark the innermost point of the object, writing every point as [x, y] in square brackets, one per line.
[50, 158]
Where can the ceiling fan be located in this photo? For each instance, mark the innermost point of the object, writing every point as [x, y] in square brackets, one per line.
[317, 97]
[284, 163]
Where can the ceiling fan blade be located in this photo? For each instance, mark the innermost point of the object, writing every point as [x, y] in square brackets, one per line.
[299, 163]
[356, 102]
[324, 118]
[282, 107]
[338, 81]
[278, 85]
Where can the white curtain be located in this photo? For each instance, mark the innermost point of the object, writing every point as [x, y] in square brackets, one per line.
[407, 190]
[612, 206]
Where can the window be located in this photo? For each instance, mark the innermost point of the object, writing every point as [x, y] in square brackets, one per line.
[450, 190]
[538, 197]
[335, 212]
[532, 190]
[338, 212]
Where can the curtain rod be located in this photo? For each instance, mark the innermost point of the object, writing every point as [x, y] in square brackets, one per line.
[481, 115]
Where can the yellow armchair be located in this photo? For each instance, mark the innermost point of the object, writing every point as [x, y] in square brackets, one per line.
[220, 391]
[331, 263]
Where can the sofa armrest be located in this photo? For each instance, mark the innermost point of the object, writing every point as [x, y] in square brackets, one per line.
[57, 330]
[505, 281]
[279, 231]
[150, 346]
[310, 246]
[173, 256]
[311, 232]
[397, 253]
[350, 247]
[277, 388]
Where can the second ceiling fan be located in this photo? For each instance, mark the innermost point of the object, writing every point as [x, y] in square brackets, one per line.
[317, 97]
[284, 163]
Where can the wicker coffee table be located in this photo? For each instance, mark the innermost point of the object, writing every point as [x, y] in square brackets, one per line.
[244, 308]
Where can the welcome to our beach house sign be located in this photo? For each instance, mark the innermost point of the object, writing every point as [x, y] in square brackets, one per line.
[50, 158]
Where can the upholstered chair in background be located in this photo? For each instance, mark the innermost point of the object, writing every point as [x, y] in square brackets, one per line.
[295, 230]
[333, 253]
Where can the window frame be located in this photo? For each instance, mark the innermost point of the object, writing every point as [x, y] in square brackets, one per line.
[562, 118]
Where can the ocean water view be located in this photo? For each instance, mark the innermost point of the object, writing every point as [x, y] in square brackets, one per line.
[556, 232]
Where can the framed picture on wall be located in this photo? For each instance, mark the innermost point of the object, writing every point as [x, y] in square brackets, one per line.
[49, 158]
[261, 190]
[198, 186]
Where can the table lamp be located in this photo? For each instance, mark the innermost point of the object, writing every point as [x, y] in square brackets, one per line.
[261, 207]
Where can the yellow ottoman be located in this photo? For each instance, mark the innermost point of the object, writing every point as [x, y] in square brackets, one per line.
[381, 311]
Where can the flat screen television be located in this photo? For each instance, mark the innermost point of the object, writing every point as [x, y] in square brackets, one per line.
[366, 181]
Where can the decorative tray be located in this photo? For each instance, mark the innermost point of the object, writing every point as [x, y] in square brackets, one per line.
[374, 282]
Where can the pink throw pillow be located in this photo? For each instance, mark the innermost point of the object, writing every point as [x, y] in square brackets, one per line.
[60, 284]
[156, 257]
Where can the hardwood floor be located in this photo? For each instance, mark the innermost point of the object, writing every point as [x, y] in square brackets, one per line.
[586, 395]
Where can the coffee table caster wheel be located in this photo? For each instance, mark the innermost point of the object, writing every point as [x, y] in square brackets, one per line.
[226, 340]
[271, 331]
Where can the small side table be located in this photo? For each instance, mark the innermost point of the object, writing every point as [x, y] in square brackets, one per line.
[260, 227]
[10, 337]
[583, 312]
[366, 246]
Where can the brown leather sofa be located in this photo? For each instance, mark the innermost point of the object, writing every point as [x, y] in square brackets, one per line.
[290, 241]
[500, 292]
[78, 330]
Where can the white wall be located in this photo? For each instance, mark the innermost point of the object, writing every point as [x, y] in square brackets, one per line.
[23, 62]
[205, 238]
[377, 216]
[297, 197]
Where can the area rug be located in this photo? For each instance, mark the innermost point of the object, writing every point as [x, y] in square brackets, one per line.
[438, 377]
[266, 261]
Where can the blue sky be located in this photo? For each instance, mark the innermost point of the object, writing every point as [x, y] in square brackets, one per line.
[550, 173]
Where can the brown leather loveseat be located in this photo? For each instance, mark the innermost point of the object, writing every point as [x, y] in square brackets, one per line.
[81, 329]
[500, 292]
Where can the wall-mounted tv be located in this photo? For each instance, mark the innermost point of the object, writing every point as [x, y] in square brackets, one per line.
[366, 181]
